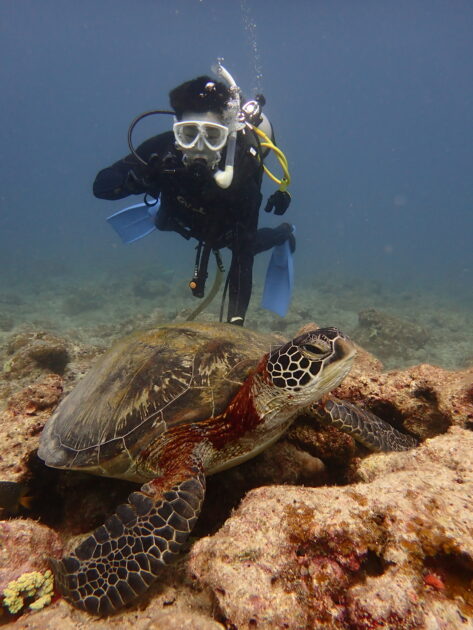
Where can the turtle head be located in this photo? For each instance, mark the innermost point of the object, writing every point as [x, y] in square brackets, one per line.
[312, 364]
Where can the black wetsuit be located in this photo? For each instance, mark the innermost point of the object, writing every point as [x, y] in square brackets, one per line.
[193, 205]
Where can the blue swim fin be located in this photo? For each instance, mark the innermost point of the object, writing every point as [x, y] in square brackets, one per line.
[134, 222]
[277, 293]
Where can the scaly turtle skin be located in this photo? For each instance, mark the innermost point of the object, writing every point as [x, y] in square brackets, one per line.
[361, 424]
[168, 407]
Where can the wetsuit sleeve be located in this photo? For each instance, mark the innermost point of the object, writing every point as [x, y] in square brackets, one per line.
[110, 182]
[128, 176]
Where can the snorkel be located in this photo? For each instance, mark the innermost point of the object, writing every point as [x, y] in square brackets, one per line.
[232, 120]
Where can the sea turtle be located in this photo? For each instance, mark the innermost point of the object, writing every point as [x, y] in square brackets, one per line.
[168, 407]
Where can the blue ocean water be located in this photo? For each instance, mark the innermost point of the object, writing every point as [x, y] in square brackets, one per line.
[371, 101]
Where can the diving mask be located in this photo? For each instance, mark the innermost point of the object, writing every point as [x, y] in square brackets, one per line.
[198, 134]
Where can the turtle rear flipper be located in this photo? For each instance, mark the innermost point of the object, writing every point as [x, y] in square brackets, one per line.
[364, 426]
[120, 559]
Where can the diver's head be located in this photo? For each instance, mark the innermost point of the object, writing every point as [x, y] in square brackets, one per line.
[201, 129]
[201, 137]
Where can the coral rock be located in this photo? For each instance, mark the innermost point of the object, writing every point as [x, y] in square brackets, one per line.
[358, 556]
[30, 354]
[183, 621]
[423, 399]
[25, 546]
[22, 421]
[385, 335]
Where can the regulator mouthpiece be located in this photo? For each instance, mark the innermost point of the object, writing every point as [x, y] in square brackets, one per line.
[224, 178]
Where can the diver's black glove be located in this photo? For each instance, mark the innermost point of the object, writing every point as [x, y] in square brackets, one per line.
[280, 201]
[149, 179]
[155, 166]
[134, 184]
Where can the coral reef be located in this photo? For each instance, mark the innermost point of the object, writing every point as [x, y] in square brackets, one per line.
[387, 550]
[394, 552]
[25, 547]
[423, 399]
[183, 621]
[22, 422]
[32, 353]
[386, 335]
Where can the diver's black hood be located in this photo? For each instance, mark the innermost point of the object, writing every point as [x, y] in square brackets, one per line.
[200, 95]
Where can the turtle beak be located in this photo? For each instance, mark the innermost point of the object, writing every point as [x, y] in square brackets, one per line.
[338, 365]
[344, 350]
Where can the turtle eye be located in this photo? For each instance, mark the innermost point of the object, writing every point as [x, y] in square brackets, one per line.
[318, 349]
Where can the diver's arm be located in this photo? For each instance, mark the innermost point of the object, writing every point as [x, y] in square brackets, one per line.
[111, 182]
[128, 176]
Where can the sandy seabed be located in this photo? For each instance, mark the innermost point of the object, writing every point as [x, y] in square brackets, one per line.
[404, 327]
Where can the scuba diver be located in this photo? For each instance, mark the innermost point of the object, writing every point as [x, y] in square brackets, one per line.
[203, 180]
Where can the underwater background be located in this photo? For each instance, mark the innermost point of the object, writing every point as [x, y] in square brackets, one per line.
[371, 101]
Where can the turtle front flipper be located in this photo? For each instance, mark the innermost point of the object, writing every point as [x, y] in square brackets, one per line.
[364, 426]
[119, 560]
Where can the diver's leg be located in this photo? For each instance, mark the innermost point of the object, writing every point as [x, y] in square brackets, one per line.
[240, 277]
[266, 238]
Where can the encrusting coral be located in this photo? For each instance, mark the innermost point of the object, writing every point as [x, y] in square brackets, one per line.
[34, 585]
